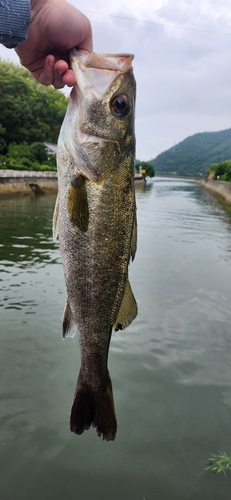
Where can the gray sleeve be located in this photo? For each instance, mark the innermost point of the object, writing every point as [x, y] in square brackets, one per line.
[14, 21]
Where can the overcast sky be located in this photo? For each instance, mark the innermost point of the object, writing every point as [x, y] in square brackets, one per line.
[182, 65]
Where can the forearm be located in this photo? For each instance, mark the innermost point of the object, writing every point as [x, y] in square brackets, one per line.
[14, 22]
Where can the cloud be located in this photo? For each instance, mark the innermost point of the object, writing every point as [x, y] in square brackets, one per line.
[181, 67]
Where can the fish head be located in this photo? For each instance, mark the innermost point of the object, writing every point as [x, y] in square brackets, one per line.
[98, 130]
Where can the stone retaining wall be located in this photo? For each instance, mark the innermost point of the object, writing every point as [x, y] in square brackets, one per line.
[18, 186]
[218, 187]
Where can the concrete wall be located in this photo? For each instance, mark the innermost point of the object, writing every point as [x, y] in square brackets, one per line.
[218, 187]
[18, 186]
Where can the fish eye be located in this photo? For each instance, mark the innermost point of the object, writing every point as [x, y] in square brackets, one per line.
[120, 106]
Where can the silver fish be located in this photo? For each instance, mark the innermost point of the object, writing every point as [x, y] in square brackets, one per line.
[95, 217]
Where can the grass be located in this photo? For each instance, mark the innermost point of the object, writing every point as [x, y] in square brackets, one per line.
[219, 463]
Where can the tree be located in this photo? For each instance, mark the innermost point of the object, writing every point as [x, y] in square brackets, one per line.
[38, 150]
[29, 112]
[19, 155]
[146, 169]
[2, 140]
[221, 171]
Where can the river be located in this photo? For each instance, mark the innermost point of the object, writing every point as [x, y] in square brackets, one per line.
[170, 369]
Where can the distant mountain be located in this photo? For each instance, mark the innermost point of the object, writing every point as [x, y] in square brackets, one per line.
[195, 154]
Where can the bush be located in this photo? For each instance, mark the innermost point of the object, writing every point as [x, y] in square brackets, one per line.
[42, 167]
[221, 170]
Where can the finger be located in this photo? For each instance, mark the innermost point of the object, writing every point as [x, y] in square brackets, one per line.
[46, 76]
[69, 78]
[60, 68]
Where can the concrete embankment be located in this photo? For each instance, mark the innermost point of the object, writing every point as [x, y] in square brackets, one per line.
[219, 188]
[13, 183]
[22, 183]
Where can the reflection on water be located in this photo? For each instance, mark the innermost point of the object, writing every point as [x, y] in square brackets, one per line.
[28, 239]
[171, 369]
[144, 188]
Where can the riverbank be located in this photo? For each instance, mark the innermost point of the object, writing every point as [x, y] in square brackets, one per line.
[219, 188]
[14, 183]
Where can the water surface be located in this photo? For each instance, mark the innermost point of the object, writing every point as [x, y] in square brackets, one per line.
[171, 369]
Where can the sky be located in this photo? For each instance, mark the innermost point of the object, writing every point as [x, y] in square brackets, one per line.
[182, 65]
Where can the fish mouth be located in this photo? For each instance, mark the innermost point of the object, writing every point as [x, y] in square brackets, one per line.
[84, 137]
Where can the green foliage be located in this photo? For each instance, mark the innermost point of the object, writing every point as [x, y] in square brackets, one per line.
[38, 150]
[27, 157]
[2, 140]
[43, 167]
[195, 154]
[145, 168]
[19, 155]
[52, 161]
[219, 463]
[222, 171]
[29, 114]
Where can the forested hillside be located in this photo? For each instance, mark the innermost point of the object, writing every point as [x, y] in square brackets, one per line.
[194, 155]
[29, 112]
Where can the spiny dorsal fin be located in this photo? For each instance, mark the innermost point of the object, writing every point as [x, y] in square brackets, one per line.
[56, 219]
[134, 238]
[69, 327]
[128, 309]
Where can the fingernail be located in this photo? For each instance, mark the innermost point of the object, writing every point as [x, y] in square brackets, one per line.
[60, 72]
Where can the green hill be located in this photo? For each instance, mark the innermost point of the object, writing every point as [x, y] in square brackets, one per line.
[195, 154]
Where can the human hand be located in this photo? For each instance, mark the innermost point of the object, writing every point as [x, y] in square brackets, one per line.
[56, 27]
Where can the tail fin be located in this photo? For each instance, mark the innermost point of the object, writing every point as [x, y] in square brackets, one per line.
[94, 406]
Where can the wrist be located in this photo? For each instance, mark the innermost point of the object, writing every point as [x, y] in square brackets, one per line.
[37, 3]
[15, 18]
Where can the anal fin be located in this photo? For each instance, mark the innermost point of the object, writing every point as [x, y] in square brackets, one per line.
[134, 238]
[128, 309]
[69, 326]
[56, 219]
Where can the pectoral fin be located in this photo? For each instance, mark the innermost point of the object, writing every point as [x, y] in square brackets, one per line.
[77, 204]
[56, 219]
[128, 309]
[69, 327]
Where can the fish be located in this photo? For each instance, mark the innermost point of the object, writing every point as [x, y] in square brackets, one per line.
[95, 220]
